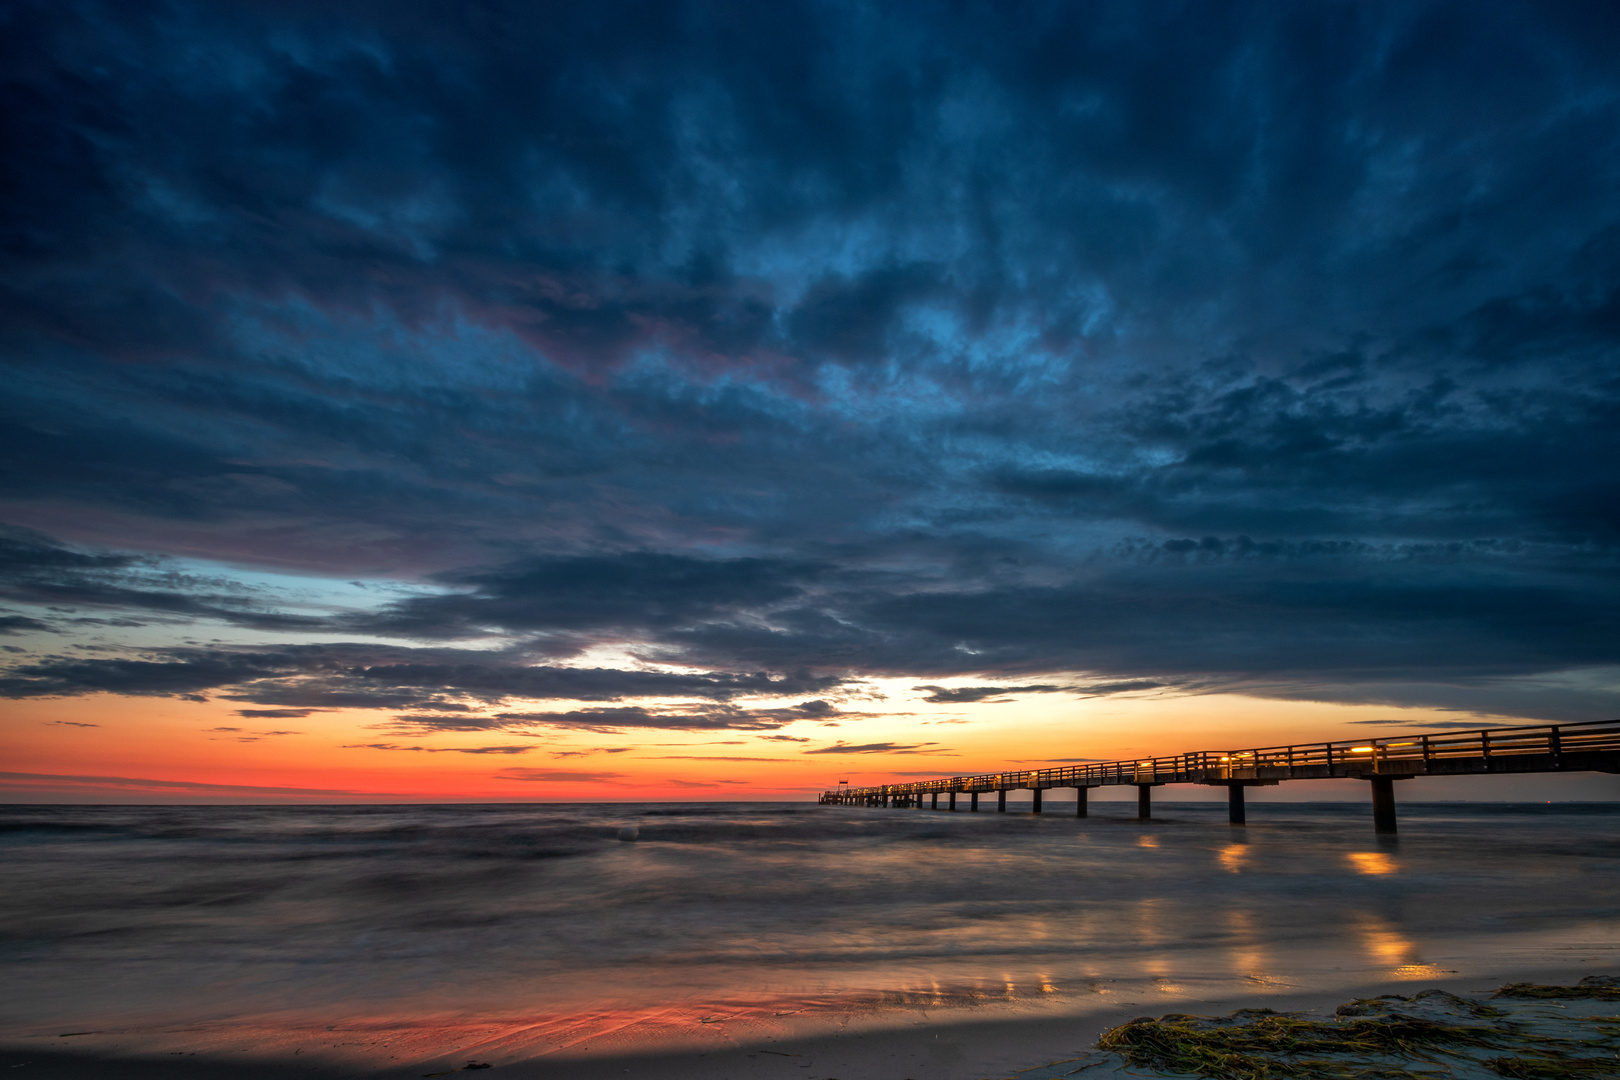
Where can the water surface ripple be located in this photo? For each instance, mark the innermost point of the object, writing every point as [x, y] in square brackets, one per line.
[198, 913]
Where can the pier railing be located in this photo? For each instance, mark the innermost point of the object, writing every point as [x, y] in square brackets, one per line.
[1590, 745]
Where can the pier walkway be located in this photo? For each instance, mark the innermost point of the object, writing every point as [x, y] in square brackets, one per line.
[1592, 746]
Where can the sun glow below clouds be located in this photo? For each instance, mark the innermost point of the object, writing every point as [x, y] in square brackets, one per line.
[268, 753]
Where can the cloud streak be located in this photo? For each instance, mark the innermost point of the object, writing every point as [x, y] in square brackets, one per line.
[876, 748]
[561, 776]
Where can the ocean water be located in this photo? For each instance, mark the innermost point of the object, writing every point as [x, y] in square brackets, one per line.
[173, 915]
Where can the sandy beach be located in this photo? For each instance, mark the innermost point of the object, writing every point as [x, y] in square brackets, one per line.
[954, 1042]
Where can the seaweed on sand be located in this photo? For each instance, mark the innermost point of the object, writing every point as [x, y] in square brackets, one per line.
[1431, 1035]
[1602, 987]
[1263, 1044]
[1541, 1068]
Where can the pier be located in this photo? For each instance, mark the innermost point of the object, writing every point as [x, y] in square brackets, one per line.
[1592, 746]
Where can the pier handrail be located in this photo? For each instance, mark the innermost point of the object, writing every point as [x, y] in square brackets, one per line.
[1215, 766]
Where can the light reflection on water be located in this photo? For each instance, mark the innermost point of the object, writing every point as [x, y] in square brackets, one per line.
[213, 911]
[1371, 862]
[1233, 856]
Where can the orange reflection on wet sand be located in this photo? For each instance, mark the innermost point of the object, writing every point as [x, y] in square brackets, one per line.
[395, 1041]
[1232, 857]
[1389, 949]
[1371, 862]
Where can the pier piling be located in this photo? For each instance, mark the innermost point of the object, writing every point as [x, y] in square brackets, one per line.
[1080, 801]
[1144, 801]
[1001, 801]
[1234, 804]
[1037, 807]
[974, 804]
[1383, 796]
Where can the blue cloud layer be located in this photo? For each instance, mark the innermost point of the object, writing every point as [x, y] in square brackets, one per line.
[1194, 345]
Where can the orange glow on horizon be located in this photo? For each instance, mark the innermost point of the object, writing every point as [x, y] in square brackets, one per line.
[105, 748]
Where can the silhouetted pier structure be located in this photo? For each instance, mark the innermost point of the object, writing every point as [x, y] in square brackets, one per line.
[1592, 746]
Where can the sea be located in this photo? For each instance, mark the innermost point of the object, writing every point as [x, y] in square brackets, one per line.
[570, 919]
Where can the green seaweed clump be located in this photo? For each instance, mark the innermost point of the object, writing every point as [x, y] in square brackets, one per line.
[1602, 987]
[1433, 1035]
[1381, 1005]
[1257, 1044]
[1547, 1068]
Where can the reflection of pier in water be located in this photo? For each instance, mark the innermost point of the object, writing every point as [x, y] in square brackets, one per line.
[1593, 746]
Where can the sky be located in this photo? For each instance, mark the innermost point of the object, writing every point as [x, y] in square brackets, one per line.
[623, 401]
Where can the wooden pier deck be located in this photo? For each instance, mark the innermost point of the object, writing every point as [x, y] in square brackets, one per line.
[1592, 746]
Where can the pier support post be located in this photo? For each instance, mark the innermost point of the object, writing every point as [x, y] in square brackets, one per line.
[1001, 801]
[1234, 804]
[1037, 807]
[974, 805]
[952, 807]
[1080, 801]
[1144, 801]
[1383, 795]
[935, 805]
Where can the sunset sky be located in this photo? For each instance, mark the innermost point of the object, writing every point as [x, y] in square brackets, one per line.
[668, 400]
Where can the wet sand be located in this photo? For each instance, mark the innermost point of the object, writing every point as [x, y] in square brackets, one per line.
[1031, 1040]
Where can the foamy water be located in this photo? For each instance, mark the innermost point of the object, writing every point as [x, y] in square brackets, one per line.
[143, 915]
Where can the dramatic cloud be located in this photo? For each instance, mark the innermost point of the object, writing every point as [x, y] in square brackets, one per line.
[634, 590]
[26, 781]
[941, 695]
[711, 757]
[311, 677]
[16, 624]
[626, 353]
[669, 719]
[239, 735]
[275, 714]
[443, 749]
[36, 569]
[559, 775]
[1464, 725]
[876, 748]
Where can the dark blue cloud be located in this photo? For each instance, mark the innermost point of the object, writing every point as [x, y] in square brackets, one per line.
[1196, 345]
